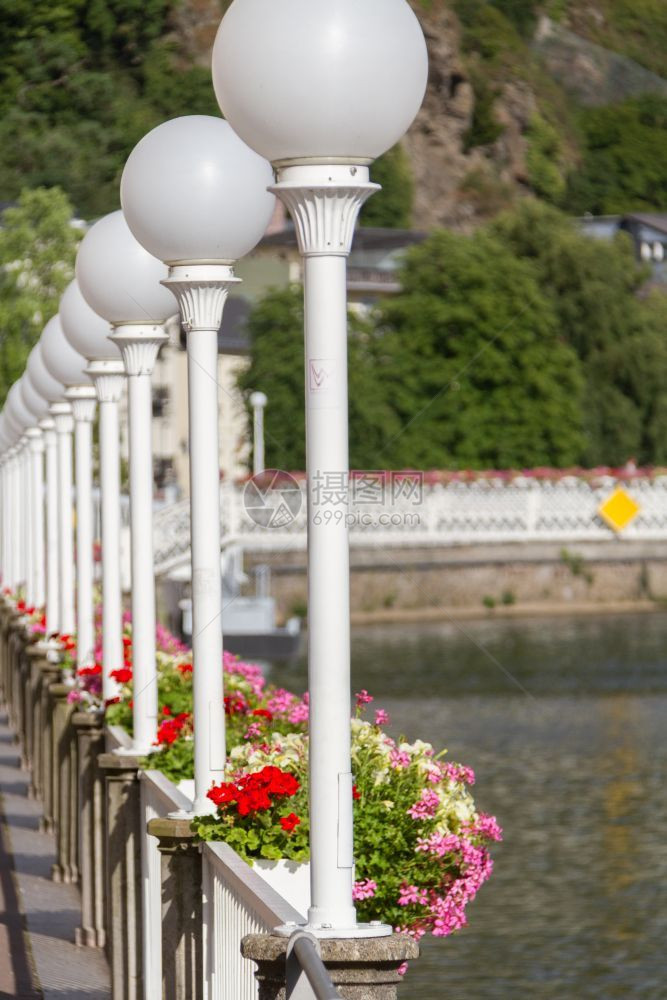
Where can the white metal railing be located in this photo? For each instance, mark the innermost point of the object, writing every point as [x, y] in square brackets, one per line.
[159, 796]
[482, 511]
[236, 901]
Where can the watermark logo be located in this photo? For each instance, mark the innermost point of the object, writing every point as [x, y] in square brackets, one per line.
[363, 499]
[272, 499]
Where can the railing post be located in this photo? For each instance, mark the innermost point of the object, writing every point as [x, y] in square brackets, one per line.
[181, 879]
[124, 910]
[90, 739]
[50, 677]
[62, 870]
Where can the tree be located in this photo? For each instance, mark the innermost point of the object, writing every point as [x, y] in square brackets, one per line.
[392, 206]
[624, 166]
[277, 368]
[37, 250]
[593, 288]
[471, 354]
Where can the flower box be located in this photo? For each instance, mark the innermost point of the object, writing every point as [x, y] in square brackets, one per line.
[290, 879]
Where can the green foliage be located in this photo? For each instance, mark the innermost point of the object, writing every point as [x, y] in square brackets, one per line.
[544, 159]
[576, 565]
[37, 249]
[392, 206]
[479, 376]
[484, 127]
[80, 83]
[276, 333]
[593, 286]
[624, 164]
[489, 29]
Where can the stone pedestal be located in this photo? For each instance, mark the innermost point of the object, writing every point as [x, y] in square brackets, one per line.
[360, 968]
[123, 888]
[36, 657]
[90, 744]
[65, 787]
[181, 880]
[50, 677]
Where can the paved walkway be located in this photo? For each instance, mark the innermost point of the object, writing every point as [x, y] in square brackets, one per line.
[38, 958]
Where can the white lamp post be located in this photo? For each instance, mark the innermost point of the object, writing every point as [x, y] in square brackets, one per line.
[196, 197]
[68, 366]
[24, 421]
[10, 524]
[258, 402]
[52, 391]
[5, 445]
[321, 91]
[89, 334]
[39, 408]
[61, 411]
[121, 282]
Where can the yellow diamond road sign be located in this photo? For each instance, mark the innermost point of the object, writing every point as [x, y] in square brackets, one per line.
[618, 510]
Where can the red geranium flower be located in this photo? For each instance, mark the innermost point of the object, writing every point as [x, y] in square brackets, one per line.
[123, 675]
[90, 671]
[263, 712]
[289, 822]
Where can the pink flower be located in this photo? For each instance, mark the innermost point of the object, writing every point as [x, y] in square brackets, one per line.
[399, 759]
[363, 698]
[486, 826]
[459, 773]
[364, 889]
[300, 711]
[381, 717]
[411, 894]
[426, 806]
[253, 731]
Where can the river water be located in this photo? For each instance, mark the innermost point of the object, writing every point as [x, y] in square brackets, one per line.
[565, 724]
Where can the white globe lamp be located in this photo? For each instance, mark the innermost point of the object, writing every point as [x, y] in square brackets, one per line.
[52, 391]
[89, 334]
[121, 281]
[321, 89]
[320, 82]
[196, 196]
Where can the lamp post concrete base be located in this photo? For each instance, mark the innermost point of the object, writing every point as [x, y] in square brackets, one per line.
[123, 892]
[360, 968]
[181, 880]
[89, 727]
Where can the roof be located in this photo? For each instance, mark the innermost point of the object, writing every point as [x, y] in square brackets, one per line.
[656, 220]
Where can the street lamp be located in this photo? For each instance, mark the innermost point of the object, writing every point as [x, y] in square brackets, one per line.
[121, 282]
[196, 196]
[23, 421]
[6, 442]
[11, 523]
[68, 366]
[321, 91]
[89, 334]
[258, 402]
[52, 391]
[39, 408]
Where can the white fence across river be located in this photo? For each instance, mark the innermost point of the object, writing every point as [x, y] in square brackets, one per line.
[484, 511]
